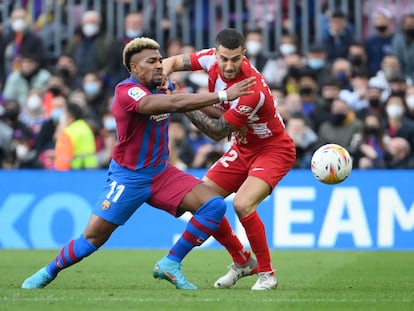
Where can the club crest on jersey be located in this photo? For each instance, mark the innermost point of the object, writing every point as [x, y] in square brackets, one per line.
[105, 205]
[244, 109]
[136, 93]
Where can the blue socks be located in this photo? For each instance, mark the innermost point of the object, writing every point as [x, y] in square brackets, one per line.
[200, 227]
[71, 253]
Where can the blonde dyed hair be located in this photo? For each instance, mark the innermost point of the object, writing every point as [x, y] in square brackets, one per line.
[135, 46]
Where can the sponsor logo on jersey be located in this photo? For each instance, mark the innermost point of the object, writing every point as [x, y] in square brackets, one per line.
[159, 117]
[136, 93]
[244, 110]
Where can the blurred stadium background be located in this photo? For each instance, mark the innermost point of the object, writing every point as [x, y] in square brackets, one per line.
[373, 209]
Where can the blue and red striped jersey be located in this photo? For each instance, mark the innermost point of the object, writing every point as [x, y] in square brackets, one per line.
[142, 139]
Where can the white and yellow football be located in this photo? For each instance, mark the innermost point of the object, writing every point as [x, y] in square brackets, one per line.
[331, 164]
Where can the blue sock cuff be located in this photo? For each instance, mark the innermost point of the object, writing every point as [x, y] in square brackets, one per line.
[86, 244]
[214, 209]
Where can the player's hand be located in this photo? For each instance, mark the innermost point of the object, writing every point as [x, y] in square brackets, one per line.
[242, 132]
[165, 82]
[240, 88]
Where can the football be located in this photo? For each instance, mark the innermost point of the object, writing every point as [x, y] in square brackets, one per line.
[331, 164]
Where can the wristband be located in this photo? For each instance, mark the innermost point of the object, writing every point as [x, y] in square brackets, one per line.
[222, 96]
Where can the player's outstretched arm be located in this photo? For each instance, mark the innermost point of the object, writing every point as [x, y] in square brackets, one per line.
[172, 64]
[216, 129]
[212, 112]
[183, 102]
[175, 63]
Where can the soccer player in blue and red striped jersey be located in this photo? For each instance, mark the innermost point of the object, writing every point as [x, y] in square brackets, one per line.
[140, 172]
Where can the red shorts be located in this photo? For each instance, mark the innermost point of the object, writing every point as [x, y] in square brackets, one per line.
[271, 162]
[169, 188]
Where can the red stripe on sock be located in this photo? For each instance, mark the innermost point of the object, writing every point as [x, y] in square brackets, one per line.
[201, 227]
[62, 255]
[194, 240]
[72, 255]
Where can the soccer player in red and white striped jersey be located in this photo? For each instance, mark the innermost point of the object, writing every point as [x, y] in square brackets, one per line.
[262, 152]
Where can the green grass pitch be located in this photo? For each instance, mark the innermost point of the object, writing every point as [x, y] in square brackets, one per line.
[122, 280]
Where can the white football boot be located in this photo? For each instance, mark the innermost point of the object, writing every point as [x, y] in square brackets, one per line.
[235, 273]
[266, 281]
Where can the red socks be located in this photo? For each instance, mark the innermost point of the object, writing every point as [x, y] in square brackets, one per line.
[256, 234]
[226, 237]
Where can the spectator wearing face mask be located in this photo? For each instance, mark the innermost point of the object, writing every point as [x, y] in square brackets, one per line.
[357, 55]
[374, 99]
[403, 46]
[54, 87]
[92, 48]
[19, 40]
[330, 89]
[133, 27]
[316, 61]
[380, 43]
[33, 114]
[25, 155]
[368, 148]
[254, 49]
[67, 69]
[341, 127]
[31, 75]
[309, 93]
[398, 85]
[397, 122]
[342, 70]
[288, 44]
[96, 95]
[288, 58]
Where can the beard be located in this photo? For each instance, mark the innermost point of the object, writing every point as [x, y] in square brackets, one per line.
[155, 84]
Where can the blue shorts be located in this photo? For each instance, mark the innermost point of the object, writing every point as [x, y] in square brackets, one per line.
[126, 190]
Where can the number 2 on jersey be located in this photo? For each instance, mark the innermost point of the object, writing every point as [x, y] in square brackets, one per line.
[230, 157]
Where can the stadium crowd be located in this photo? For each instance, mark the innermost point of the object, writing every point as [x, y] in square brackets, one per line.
[56, 113]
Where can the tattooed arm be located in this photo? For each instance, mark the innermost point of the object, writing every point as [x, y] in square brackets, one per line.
[172, 64]
[212, 112]
[216, 129]
[176, 63]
